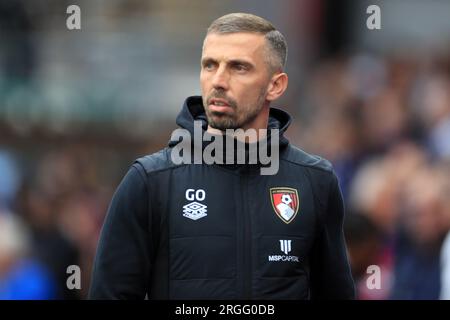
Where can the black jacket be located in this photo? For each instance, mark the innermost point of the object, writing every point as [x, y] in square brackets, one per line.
[197, 231]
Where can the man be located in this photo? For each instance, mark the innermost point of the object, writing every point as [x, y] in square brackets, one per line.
[224, 230]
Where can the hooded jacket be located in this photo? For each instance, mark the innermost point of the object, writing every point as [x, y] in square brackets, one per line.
[221, 231]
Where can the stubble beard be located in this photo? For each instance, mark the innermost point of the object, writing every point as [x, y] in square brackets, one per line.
[239, 118]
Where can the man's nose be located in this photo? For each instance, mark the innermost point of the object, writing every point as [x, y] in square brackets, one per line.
[220, 79]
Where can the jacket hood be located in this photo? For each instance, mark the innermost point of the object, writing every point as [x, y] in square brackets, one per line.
[193, 110]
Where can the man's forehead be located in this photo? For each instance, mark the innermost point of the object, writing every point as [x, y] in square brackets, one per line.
[244, 43]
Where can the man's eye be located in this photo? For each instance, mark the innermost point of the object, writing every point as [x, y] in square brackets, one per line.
[241, 68]
[208, 66]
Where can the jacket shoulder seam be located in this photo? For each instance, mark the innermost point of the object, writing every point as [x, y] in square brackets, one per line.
[312, 166]
[159, 165]
[173, 167]
[320, 163]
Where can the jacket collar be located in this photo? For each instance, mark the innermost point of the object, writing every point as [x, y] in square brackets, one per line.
[193, 110]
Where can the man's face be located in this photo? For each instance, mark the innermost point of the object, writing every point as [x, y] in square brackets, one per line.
[234, 78]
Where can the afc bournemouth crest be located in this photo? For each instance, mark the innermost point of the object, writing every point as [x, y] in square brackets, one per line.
[285, 203]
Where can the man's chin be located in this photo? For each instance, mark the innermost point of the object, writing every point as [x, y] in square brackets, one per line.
[222, 123]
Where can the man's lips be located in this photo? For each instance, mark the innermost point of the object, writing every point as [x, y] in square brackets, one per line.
[219, 105]
[220, 109]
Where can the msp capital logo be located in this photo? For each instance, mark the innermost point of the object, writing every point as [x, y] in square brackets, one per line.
[286, 248]
[285, 203]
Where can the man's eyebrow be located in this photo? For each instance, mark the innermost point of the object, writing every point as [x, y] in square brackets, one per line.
[232, 62]
[207, 60]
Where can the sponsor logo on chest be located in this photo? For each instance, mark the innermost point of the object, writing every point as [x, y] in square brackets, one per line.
[286, 248]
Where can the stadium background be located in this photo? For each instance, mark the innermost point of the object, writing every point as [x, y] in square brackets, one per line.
[76, 107]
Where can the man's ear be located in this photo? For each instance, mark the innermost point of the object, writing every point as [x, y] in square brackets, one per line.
[278, 84]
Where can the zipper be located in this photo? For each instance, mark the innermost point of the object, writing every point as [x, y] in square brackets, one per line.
[247, 252]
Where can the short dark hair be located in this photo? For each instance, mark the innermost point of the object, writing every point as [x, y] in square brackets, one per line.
[245, 22]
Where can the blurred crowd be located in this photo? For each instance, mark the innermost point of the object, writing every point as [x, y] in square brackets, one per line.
[51, 211]
[384, 122]
[382, 119]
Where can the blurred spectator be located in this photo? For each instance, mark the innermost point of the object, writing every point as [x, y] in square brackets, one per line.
[22, 276]
[366, 247]
[9, 179]
[419, 239]
[63, 206]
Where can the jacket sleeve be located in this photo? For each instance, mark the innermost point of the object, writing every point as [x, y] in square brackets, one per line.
[330, 270]
[123, 260]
